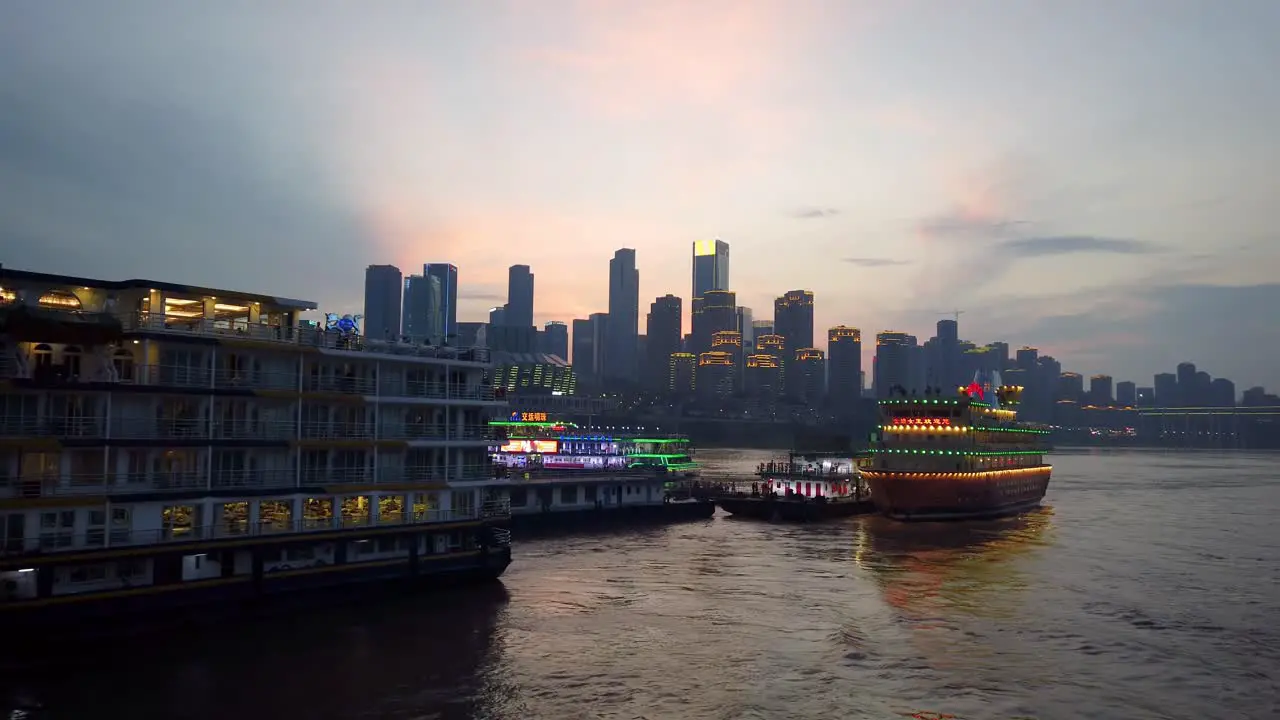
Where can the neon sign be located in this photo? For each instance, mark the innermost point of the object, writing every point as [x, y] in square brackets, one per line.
[546, 446]
[923, 422]
[528, 417]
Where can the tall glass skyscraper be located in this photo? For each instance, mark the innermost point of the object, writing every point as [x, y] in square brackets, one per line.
[624, 317]
[447, 275]
[710, 266]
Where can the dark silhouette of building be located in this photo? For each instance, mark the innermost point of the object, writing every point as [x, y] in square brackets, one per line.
[519, 297]
[663, 327]
[382, 298]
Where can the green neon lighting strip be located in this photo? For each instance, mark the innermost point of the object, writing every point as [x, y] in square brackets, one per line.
[972, 453]
[660, 456]
[515, 423]
[657, 440]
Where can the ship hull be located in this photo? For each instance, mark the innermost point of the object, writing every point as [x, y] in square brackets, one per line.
[571, 520]
[931, 497]
[793, 510]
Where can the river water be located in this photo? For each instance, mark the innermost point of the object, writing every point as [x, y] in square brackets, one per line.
[1148, 587]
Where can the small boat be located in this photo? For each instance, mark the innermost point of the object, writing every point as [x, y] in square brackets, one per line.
[803, 488]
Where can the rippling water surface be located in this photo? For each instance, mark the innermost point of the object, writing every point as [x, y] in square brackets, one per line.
[1149, 587]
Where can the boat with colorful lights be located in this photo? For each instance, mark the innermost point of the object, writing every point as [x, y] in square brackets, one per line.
[804, 487]
[561, 476]
[957, 458]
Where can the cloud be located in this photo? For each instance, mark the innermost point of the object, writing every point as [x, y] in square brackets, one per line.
[1074, 244]
[968, 224]
[813, 212]
[1137, 330]
[481, 295]
[868, 262]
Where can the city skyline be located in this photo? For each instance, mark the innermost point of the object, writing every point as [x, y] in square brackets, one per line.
[1106, 207]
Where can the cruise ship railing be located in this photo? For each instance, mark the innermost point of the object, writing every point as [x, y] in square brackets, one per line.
[122, 371]
[62, 485]
[55, 541]
[203, 428]
[293, 335]
[550, 475]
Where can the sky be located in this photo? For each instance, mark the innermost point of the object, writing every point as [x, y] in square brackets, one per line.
[1096, 178]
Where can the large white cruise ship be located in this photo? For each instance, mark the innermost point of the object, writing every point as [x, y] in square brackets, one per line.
[165, 444]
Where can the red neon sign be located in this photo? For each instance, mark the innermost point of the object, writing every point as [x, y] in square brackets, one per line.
[923, 422]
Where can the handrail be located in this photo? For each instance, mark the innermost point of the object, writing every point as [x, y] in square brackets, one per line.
[52, 543]
[220, 378]
[294, 335]
[236, 428]
[55, 485]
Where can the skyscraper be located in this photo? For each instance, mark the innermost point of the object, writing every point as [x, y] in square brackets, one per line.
[746, 326]
[554, 340]
[844, 367]
[447, 275]
[584, 353]
[519, 297]
[793, 318]
[422, 309]
[716, 311]
[710, 266]
[382, 288]
[624, 316]
[895, 352]
[664, 328]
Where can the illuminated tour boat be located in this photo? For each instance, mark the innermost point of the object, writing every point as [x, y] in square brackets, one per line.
[162, 444]
[967, 457]
[803, 487]
[561, 476]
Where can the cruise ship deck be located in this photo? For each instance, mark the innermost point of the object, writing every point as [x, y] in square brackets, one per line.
[172, 443]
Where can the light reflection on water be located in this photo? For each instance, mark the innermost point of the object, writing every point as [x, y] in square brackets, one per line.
[1146, 589]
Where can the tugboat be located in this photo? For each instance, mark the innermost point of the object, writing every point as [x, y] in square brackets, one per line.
[803, 488]
[961, 458]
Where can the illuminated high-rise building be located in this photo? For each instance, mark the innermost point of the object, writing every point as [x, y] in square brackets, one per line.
[844, 366]
[762, 376]
[710, 266]
[793, 318]
[1070, 387]
[714, 312]
[775, 346]
[682, 373]
[807, 376]
[716, 371]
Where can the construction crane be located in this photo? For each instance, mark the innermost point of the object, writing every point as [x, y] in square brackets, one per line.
[953, 313]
